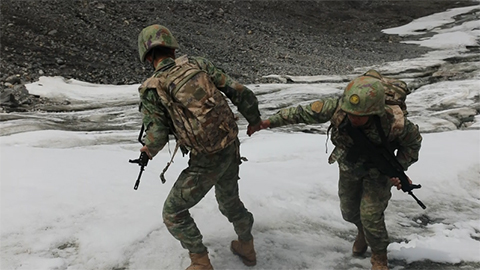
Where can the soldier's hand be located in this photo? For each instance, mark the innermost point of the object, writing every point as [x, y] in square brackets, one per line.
[265, 124]
[262, 125]
[145, 149]
[397, 183]
[252, 129]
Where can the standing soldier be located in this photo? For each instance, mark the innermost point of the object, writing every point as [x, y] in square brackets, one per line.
[363, 190]
[214, 160]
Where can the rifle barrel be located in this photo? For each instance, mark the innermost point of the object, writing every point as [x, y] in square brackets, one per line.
[418, 201]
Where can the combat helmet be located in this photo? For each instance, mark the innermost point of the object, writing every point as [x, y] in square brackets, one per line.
[153, 36]
[364, 96]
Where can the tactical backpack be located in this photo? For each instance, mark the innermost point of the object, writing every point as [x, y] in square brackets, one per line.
[396, 91]
[201, 118]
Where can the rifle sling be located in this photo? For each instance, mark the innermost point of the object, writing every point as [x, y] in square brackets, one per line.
[383, 157]
[381, 132]
[380, 156]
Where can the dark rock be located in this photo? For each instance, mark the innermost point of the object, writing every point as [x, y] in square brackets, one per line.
[14, 79]
[7, 98]
[15, 96]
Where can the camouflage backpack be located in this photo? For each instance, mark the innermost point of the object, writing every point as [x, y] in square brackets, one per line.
[396, 91]
[202, 120]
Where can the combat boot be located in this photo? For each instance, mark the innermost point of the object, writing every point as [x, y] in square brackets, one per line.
[379, 261]
[360, 245]
[245, 250]
[200, 261]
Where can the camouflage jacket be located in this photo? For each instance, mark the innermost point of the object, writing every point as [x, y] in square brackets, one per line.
[156, 118]
[407, 140]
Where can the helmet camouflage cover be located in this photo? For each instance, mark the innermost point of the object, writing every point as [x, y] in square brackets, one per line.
[153, 36]
[364, 96]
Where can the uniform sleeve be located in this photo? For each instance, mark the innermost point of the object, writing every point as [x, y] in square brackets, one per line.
[155, 120]
[410, 142]
[240, 95]
[317, 112]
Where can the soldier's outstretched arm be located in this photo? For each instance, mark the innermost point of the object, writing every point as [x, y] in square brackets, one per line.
[317, 112]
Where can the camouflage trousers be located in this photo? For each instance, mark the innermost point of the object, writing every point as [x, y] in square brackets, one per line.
[364, 195]
[219, 170]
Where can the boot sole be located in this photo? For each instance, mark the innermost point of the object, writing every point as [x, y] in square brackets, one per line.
[244, 260]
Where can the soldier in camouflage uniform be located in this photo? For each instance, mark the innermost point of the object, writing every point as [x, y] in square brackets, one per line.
[364, 192]
[220, 170]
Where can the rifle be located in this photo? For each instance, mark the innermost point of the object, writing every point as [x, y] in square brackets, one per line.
[382, 157]
[142, 161]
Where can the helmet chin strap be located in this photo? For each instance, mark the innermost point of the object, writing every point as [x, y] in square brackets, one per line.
[152, 59]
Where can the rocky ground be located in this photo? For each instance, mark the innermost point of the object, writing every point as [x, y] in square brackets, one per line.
[96, 41]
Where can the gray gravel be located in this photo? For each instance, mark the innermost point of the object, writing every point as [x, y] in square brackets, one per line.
[96, 41]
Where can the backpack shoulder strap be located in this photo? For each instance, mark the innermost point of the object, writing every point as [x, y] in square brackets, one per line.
[181, 72]
[181, 60]
[398, 121]
[151, 82]
[338, 116]
[156, 79]
[383, 137]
